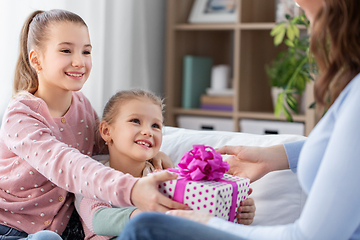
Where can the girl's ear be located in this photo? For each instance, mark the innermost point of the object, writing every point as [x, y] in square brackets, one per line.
[34, 60]
[105, 131]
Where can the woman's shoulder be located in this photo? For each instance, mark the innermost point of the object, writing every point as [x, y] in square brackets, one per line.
[349, 97]
[356, 81]
[352, 89]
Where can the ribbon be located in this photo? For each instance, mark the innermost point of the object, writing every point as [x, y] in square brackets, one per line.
[203, 163]
[234, 194]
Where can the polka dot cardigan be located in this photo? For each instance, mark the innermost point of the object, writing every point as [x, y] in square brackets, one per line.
[44, 159]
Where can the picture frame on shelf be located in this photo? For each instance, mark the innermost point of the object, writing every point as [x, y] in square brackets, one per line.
[213, 11]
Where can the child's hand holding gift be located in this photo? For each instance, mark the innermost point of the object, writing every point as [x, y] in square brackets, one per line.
[203, 185]
[245, 215]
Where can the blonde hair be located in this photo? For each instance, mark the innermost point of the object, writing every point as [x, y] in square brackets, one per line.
[33, 35]
[112, 107]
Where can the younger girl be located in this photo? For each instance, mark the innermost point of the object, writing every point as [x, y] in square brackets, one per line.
[132, 128]
[47, 135]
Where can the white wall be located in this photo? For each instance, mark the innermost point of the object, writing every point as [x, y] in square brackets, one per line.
[127, 38]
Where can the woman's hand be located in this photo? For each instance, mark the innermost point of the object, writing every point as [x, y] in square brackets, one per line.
[246, 211]
[162, 161]
[145, 193]
[254, 162]
[196, 216]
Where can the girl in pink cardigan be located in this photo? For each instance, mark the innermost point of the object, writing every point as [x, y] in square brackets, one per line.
[132, 128]
[48, 134]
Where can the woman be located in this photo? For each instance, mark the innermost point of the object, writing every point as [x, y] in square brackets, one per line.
[327, 163]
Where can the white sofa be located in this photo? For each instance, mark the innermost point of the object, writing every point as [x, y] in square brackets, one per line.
[278, 196]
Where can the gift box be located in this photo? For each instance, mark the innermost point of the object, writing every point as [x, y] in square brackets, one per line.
[203, 185]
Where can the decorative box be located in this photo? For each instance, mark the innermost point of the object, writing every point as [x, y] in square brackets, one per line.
[203, 186]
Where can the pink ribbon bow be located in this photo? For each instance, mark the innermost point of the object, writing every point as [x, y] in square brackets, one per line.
[202, 163]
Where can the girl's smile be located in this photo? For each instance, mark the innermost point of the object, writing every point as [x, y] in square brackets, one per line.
[144, 143]
[75, 75]
[135, 135]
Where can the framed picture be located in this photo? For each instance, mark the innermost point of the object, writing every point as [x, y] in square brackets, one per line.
[213, 11]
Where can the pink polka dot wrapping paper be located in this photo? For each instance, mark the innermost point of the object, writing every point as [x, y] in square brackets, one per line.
[214, 197]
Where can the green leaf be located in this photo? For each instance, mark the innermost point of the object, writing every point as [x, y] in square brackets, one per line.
[279, 38]
[290, 91]
[291, 96]
[290, 33]
[300, 83]
[279, 105]
[278, 32]
[313, 105]
[289, 43]
[277, 29]
[287, 115]
[296, 30]
[292, 103]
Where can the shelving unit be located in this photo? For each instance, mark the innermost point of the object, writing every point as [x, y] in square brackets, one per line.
[245, 45]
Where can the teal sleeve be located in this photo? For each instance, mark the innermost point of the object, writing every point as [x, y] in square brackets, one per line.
[111, 221]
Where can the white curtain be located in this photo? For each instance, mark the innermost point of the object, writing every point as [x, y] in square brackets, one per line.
[127, 38]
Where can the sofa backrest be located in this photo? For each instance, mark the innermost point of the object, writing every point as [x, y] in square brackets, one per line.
[278, 196]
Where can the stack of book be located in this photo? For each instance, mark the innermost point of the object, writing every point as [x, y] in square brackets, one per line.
[216, 103]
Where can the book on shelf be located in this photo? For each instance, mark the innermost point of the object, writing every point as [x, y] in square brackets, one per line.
[215, 99]
[216, 107]
[220, 92]
[196, 79]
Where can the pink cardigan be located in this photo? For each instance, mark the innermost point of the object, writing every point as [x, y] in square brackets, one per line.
[43, 158]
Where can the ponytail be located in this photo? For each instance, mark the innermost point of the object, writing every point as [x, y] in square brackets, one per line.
[25, 78]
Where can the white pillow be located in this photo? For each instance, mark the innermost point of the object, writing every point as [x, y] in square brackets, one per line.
[278, 196]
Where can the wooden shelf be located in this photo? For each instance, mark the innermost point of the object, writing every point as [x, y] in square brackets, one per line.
[200, 112]
[231, 26]
[204, 27]
[245, 45]
[256, 26]
[268, 116]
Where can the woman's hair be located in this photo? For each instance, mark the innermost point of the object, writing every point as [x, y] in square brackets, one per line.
[34, 34]
[112, 107]
[335, 43]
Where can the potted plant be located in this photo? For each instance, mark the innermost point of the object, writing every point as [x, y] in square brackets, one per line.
[292, 68]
